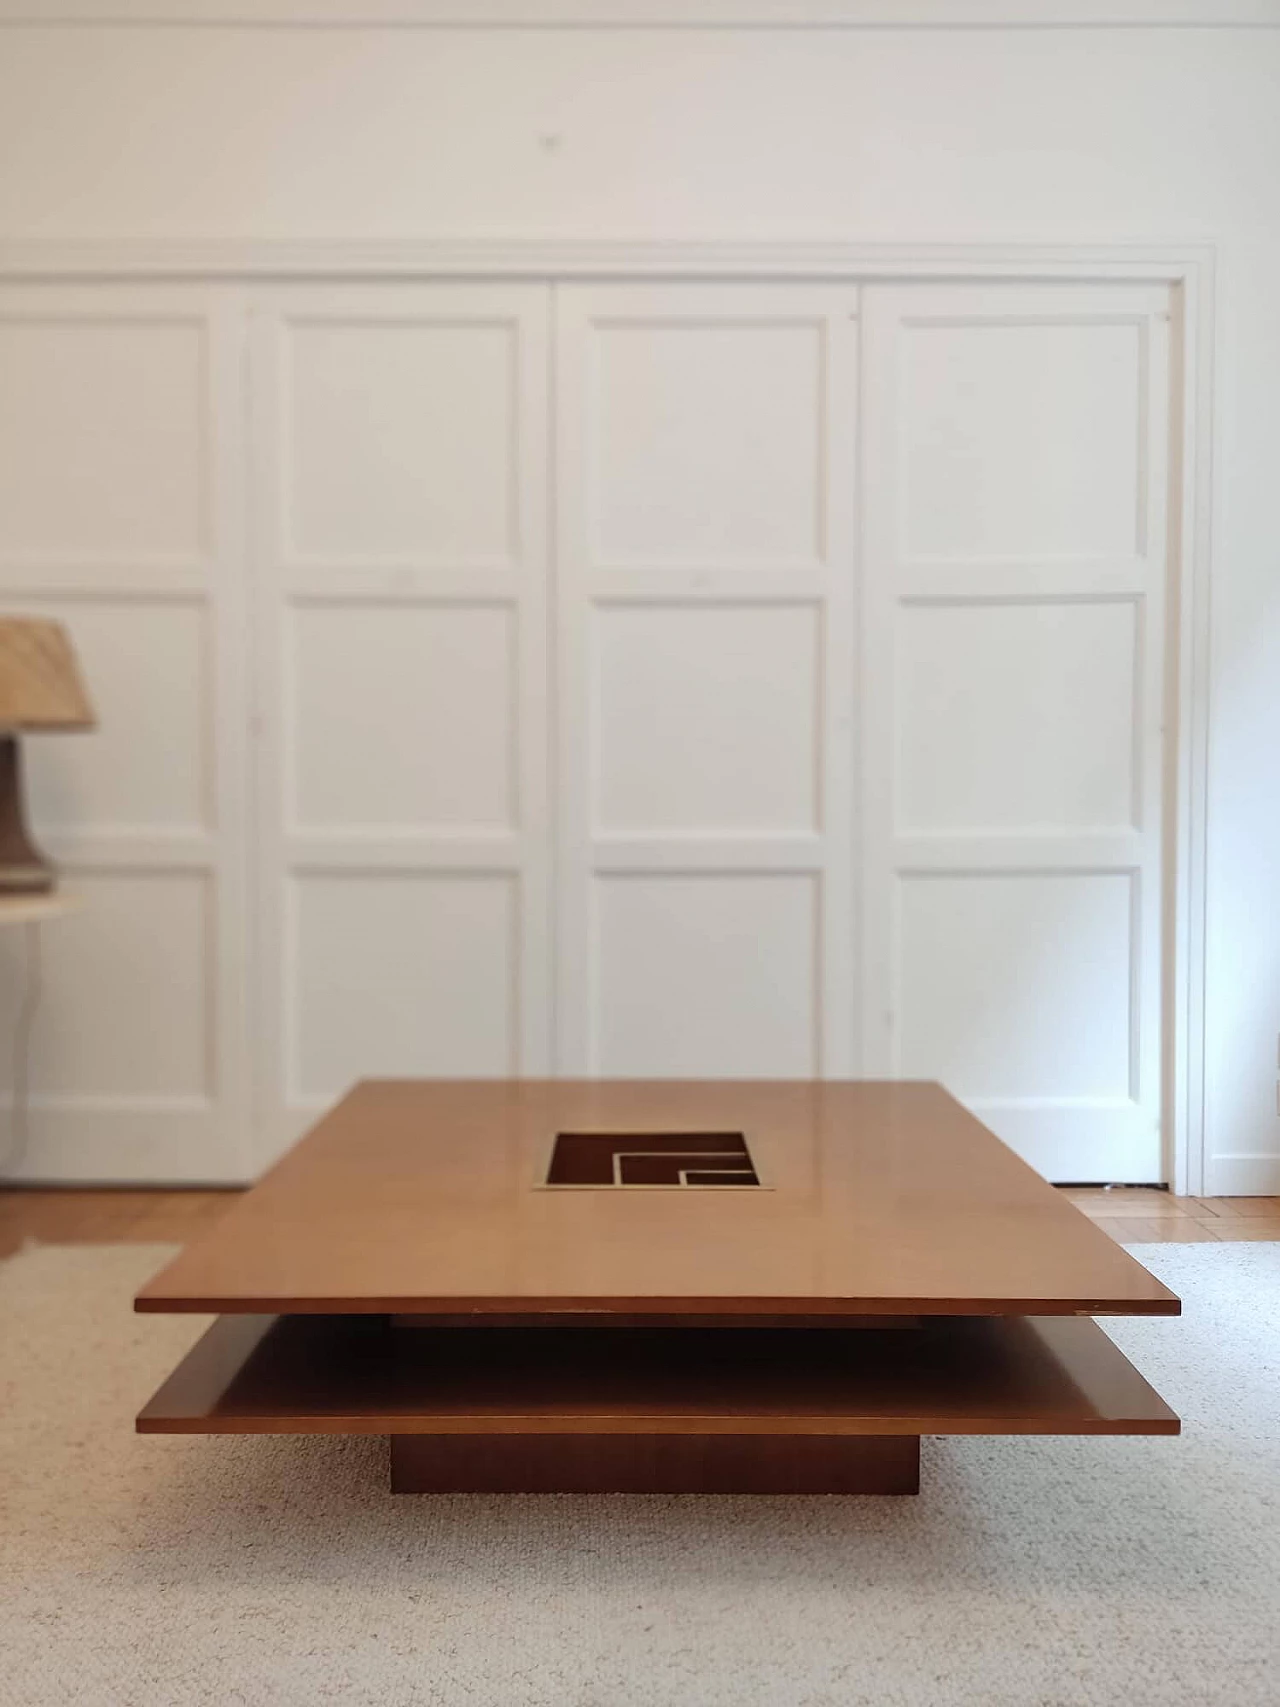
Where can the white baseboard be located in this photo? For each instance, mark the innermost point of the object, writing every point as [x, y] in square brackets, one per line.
[138, 1145]
[1243, 1176]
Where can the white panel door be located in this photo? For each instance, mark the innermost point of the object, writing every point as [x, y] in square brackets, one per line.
[1015, 481]
[400, 514]
[121, 515]
[705, 540]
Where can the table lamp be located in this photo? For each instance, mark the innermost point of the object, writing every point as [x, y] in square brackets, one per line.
[40, 688]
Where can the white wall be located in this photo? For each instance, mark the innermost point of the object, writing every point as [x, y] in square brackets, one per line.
[872, 135]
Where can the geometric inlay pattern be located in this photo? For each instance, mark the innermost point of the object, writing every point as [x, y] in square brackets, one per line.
[620, 1159]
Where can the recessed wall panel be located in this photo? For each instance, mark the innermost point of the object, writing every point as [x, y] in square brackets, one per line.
[400, 441]
[1021, 438]
[146, 764]
[1017, 984]
[400, 975]
[101, 439]
[708, 442]
[705, 976]
[1016, 716]
[403, 716]
[706, 718]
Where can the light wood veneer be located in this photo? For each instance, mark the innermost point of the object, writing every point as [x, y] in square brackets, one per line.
[876, 1199]
[896, 1272]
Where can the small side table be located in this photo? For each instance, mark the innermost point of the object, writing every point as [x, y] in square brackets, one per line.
[33, 909]
[30, 911]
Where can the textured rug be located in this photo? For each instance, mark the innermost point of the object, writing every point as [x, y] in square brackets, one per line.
[1030, 1573]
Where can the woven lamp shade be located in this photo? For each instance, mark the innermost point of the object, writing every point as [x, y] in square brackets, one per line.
[40, 685]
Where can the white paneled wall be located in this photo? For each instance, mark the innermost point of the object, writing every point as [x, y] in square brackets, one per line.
[705, 517]
[121, 514]
[399, 482]
[1016, 561]
[663, 678]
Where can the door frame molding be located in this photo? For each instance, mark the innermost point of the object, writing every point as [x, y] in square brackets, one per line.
[779, 15]
[1187, 269]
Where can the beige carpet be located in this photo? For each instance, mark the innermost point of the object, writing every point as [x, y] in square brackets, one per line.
[160, 1572]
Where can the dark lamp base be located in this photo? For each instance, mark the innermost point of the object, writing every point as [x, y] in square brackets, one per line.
[23, 868]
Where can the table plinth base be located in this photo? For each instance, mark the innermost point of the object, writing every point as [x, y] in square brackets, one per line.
[655, 1464]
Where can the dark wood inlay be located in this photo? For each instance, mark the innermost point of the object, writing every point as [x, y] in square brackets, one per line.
[618, 1159]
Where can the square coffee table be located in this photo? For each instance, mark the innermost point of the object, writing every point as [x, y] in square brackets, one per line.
[589, 1286]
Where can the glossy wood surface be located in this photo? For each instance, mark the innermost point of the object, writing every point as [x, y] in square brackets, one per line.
[428, 1196]
[160, 1215]
[360, 1375]
[654, 1464]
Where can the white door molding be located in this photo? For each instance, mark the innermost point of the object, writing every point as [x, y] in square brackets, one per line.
[123, 516]
[645, 14]
[584, 258]
[1015, 576]
[1188, 269]
[402, 846]
[706, 551]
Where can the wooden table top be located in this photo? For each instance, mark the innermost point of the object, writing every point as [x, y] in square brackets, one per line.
[429, 1196]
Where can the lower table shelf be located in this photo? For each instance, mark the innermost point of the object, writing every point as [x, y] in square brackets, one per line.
[763, 1408]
